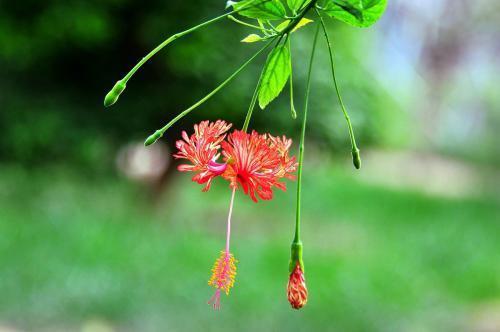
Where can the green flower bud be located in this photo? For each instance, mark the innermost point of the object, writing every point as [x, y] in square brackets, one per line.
[114, 94]
[294, 113]
[356, 159]
[153, 138]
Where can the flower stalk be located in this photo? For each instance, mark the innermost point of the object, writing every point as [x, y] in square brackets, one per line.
[113, 95]
[356, 159]
[297, 244]
[159, 133]
[260, 28]
[296, 288]
[252, 105]
[292, 104]
[228, 230]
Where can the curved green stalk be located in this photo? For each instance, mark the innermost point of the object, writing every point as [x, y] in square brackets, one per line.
[296, 255]
[159, 133]
[292, 105]
[355, 151]
[260, 28]
[113, 95]
[248, 117]
[252, 105]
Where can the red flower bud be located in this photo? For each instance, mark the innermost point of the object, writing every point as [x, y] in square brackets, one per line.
[297, 290]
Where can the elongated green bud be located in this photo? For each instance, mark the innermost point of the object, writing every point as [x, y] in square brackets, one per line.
[153, 138]
[114, 94]
[294, 112]
[296, 256]
[356, 159]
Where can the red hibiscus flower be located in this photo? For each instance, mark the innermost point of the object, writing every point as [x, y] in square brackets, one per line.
[254, 162]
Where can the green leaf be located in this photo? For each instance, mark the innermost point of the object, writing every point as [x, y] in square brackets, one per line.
[252, 38]
[303, 22]
[283, 25]
[295, 5]
[274, 75]
[260, 9]
[358, 13]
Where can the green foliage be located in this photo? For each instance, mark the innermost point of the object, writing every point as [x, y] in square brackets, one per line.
[358, 13]
[260, 9]
[275, 74]
[295, 5]
[251, 38]
[303, 22]
[42, 42]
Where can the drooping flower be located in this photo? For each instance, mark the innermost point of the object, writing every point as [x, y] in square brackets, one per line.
[202, 150]
[251, 161]
[296, 289]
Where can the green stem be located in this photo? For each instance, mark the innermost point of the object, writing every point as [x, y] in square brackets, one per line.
[302, 5]
[263, 28]
[280, 36]
[177, 36]
[296, 239]
[355, 150]
[296, 248]
[292, 105]
[234, 19]
[252, 105]
[159, 133]
[271, 25]
[113, 95]
[303, 13]
[256, 94]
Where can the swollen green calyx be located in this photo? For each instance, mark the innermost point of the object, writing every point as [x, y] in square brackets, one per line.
[296, 256]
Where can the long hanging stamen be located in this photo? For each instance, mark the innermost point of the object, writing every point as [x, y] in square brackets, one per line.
[215, 300]
[228, 235]
[224, 269]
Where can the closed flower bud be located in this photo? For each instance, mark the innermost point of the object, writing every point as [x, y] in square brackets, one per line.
[153, 138]
[356, 159]
[114, 94]
[297, 290]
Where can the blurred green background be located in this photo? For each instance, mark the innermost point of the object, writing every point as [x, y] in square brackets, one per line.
[100, 234]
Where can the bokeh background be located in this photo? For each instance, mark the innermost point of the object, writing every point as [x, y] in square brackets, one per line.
[100, 234]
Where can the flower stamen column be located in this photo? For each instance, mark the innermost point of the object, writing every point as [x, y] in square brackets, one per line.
[224, 270]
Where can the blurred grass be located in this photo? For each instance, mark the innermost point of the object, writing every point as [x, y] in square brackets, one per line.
[75, 248]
